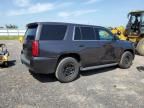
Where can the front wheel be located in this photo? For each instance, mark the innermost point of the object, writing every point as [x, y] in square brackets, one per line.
[126, 60]
[5, 64]
[67, 70]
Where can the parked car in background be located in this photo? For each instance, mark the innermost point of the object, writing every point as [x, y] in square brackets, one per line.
[65, 49]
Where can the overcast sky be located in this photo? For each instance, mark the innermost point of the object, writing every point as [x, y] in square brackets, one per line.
[97, 12]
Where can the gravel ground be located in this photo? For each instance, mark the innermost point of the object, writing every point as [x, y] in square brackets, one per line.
[103, 88]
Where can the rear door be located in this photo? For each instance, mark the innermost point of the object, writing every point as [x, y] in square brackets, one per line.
[108, 46]
[52, 40]
[86, 41]
[30, 36]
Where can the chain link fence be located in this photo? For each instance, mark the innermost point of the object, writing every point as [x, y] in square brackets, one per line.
[12, 32]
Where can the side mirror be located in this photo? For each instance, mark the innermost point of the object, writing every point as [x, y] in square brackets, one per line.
[116, 38]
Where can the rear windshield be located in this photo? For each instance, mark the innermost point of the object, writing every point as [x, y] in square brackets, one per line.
[143, 20]
[53, 32]
[30, 33]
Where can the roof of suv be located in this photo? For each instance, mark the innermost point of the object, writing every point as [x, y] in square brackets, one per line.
[59, 23]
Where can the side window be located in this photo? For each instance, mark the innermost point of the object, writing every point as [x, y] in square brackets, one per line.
[53, 32]
[77, 34]
[105, 35]
[87, 33]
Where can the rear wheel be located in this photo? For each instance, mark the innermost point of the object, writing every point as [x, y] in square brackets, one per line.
[126, 60]
[67, 70]
[140, 47]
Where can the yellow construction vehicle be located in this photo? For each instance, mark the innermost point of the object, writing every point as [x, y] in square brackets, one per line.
[134, 30]
[4, 54]
[21, 38]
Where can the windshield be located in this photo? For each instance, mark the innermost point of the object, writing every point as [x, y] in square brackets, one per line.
[135, 19]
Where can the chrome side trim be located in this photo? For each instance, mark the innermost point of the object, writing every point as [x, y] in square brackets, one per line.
[98, 67]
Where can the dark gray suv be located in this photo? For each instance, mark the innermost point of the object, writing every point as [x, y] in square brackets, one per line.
[65, 49]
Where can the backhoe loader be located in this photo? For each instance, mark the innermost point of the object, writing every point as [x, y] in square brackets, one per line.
[134, 30]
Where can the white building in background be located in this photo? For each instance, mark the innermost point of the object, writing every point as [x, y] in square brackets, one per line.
[12, 32]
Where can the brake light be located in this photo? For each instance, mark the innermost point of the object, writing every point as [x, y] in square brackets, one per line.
[35, 48]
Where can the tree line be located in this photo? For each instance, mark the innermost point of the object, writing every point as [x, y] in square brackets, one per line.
[10, 26]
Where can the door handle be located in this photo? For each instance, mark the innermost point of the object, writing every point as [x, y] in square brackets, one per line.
[24, 45]
[22, 52]
[81, 45]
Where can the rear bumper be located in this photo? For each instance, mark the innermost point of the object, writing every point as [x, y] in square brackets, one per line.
[41, 65]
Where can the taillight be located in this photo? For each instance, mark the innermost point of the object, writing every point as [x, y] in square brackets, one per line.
[35, 48]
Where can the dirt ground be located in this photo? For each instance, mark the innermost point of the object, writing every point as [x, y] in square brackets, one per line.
[102, 88]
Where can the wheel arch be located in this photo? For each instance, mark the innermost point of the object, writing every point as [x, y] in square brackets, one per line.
[73, 55]
[130, 50]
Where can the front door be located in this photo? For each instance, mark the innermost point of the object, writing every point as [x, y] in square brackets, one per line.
[142, 24]
[108, 46]
[87, 45]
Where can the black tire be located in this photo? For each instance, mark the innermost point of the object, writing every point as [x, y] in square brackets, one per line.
[67, 70]
[140, 47]
[126, 60]
[6, 64]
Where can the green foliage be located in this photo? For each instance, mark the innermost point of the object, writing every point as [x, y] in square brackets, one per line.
[9, 37]
[11, 26]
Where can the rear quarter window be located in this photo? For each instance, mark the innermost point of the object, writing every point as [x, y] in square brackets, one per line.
[31, 33]
[53, 32]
